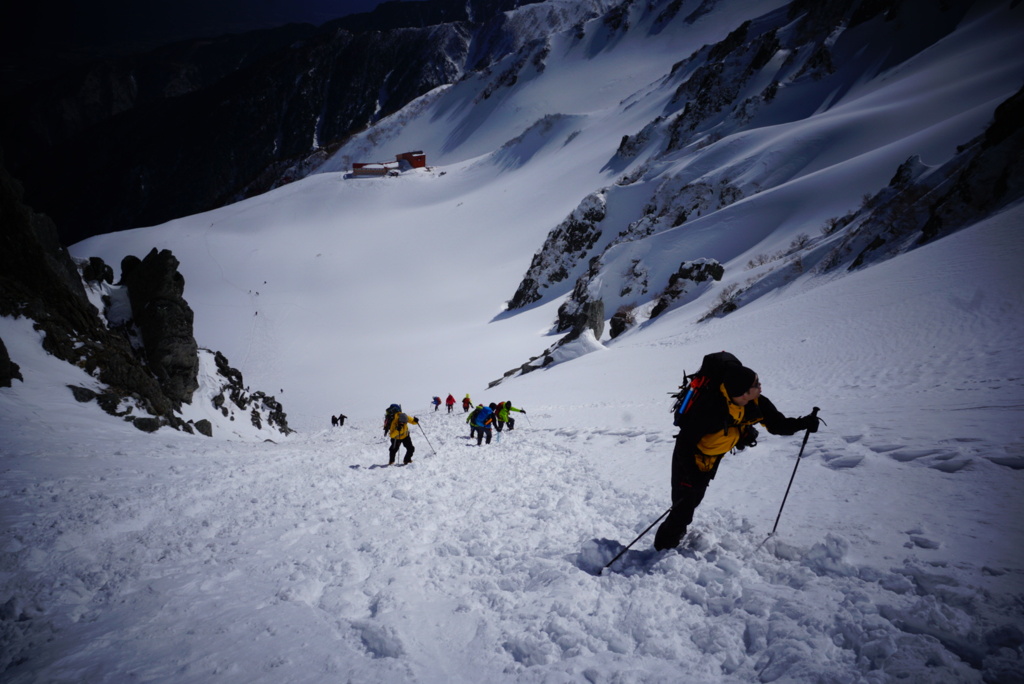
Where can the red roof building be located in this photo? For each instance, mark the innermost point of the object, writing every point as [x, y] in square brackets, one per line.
[414, 160]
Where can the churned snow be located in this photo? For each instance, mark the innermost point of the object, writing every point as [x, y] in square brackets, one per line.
[169, 557]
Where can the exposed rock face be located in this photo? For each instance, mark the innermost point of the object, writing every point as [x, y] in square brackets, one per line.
[698, 271]
[621, 321]
[564, 252]
[259, 405]
[986, 176]
[590, 317]
[155, 289]
[763, 70]
[96, 271]
[8, 369]
[39, 281]
[992, 178]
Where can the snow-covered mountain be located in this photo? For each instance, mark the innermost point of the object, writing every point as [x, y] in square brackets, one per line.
[198, 124]
[803, 110]
[845, 176]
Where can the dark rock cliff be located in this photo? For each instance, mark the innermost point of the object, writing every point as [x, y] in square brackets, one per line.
[38, 280]
[164, 318]
[145, 366]
[132, 141]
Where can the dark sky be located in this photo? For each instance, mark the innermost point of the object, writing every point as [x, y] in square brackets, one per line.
[40, 38]
[126, 24]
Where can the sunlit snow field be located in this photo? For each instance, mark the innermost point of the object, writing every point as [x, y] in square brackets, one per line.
[898, 556]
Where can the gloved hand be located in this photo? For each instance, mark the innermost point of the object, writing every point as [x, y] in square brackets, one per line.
[415, 419]
[810, 422]
[748, 438]
[522, 410]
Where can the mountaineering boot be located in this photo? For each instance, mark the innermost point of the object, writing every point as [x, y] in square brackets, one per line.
[666, 538]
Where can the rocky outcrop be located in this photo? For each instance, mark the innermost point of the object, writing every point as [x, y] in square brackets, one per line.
[586, 329]
[164, 319]
[9, 370]
[991, 178]
[258, 405]
[762, 67]
[39, 281]
[689, 273]
[144, 385]
[583, 315]
[566, 249]
[730, 81]
[917, 207]
[589, 317]
[96, 271]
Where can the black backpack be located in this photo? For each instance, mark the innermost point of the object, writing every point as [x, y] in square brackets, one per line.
[388, 414]
[704, 382]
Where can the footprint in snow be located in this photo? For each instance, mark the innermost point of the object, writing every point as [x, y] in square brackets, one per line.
[838, 460]
[1015, 461]
[597, 553]
[922, 542]
[883, 448]
[906, 455]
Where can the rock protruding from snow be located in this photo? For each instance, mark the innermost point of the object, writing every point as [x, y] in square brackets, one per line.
[560, 258]
[164, 318]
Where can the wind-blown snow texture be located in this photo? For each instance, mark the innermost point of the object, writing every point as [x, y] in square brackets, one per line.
[899, 555]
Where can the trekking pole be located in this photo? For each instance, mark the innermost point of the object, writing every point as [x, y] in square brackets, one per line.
[635, 540]
[427, 438]
[814, 414]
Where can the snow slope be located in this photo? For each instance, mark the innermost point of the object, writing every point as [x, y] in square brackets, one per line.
[179, 558]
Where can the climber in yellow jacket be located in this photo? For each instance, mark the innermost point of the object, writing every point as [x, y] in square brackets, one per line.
[398, 431]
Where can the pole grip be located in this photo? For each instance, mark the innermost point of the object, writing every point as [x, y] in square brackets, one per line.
[813, 414]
